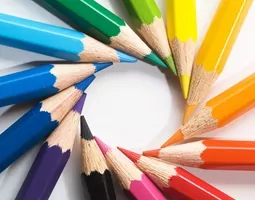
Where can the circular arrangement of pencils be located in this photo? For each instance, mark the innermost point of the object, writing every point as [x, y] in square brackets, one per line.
[101, 39]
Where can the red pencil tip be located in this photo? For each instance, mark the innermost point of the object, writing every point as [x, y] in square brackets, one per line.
[152, 153]
[134, 157]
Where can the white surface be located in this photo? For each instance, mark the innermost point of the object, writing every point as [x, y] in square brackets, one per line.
[133, 106]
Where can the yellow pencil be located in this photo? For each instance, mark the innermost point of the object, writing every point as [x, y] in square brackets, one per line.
[216, 47]
[182, 35]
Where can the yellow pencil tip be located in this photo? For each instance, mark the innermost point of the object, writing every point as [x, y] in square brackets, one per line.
[177, 137]
[188, 112]
[185, 81]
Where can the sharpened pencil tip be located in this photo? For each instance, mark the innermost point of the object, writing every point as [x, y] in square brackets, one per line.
[154, 60]
[79, 105]
[189, 109]
[152, 153]
[85, 130]
[185, 81]
[125, 58]
[170, 63]
[103, 147]
[134, 157]
[177, 137]
[102, 66]
[84, 84]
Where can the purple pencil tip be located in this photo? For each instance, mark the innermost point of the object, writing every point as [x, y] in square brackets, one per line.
[79, 105]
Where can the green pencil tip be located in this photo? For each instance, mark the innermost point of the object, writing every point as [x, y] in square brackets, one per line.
[170, 63]
[154, 60]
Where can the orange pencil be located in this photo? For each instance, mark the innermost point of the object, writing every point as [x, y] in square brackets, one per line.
[210, 154]
[214, 52]
[176, 182]
[219, 111]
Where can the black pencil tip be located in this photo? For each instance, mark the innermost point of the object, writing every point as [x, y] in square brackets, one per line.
[85, 130]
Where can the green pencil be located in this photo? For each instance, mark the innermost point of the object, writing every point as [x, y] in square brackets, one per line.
[147, 19]
[93, 18]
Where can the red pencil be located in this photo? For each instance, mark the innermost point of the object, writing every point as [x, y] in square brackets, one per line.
[210, 154]
[135, 183]
[175, 181]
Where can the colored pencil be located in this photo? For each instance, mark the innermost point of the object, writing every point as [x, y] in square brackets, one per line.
[219, 111]
[135, 183]
[43, 81]
[97, 21]
[148, 21]
[52, 157]
[182, 35]
[96, 176]
[175, 181]
[55, 41]
[214, 52]
[210, 154]
[38, 123]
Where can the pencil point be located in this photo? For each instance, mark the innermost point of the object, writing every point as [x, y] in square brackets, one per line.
[155, 60]
[170, 63]
[152, 153]
[85, 130]
[84, 84]
[185, 81]
[103, 147]
[125, 58]
[134, 157]
[188, 112]
[79, 105]
[102, 66]
[177, 137]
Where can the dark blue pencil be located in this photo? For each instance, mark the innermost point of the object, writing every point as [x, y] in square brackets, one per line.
[56, 41]
[38, 123]
[52, 158]
[43, 81]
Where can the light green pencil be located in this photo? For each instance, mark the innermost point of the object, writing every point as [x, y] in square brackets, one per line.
[147, 19]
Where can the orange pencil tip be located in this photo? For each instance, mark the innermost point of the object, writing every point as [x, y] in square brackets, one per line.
[152, 153]
[134, 157]
[177, 137]
[188, 112]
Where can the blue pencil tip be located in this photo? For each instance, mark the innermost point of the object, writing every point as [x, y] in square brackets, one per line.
[101, 66]
[79, 105]
[125, 58]
[83, 85]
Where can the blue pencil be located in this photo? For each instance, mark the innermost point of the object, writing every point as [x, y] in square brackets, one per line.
[44, 81]
[38, 123]
[52, 158]
[56, 41]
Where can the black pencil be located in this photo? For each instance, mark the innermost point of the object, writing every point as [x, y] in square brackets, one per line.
[95, 174]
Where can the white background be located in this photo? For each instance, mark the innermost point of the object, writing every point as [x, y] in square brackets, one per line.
[133, 106]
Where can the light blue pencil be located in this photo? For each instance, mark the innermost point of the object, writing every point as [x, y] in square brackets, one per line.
[43, 81]
[56, 41]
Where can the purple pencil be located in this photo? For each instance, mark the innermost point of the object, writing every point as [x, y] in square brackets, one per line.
[52, 158]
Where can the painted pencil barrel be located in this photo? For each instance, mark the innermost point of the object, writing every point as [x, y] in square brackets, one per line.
[55, 41]
[52, 158]
[43, 81]
[37, 123]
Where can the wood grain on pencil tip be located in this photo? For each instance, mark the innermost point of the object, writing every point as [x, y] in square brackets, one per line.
[100, 23]
[215, 49]
[56, 41]
[44, 81]
[52, 157]
[182, 35]
[219, 111]
[210, 154]
[176, 182]
[95, 173]
[136, 184]
[37, 123]
[148, 21]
